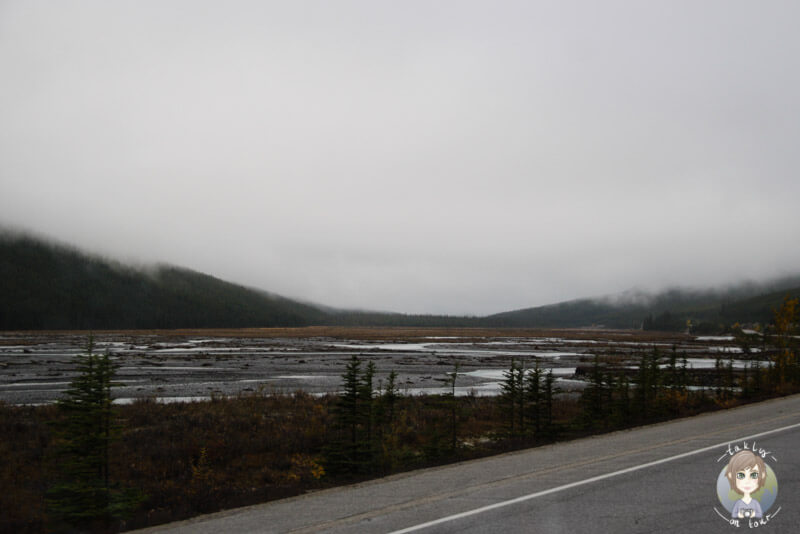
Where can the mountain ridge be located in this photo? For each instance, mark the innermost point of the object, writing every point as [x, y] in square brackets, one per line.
[670, 309]
[47, 285]
[50, 285]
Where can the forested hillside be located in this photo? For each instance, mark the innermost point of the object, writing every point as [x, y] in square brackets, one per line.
[48, 286]
[673, 310]
[51, 286]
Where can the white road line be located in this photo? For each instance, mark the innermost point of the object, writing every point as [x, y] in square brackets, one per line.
[585, 481]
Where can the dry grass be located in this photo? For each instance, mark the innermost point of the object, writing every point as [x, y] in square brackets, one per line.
[199, 457]
[382, 333]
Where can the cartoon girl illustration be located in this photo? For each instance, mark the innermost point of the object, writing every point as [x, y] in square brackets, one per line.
[746, 474]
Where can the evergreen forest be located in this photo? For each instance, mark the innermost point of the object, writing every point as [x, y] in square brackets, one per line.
[48, 286]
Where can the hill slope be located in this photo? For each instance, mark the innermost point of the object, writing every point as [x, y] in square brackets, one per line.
[47, 286]
[708, 310]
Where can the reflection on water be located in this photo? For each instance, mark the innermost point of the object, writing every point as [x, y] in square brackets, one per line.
[163, 400]
[499, 374]
[37, 368]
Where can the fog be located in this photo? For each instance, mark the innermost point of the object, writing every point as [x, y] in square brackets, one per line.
[449, 157]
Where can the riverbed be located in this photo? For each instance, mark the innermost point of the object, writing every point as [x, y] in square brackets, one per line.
[169, 366]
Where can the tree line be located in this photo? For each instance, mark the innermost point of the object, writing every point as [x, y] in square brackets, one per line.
[46, 286]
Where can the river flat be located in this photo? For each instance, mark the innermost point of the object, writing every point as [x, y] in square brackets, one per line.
[188, 365]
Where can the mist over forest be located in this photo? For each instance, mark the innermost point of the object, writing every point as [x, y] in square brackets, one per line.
[47, 285]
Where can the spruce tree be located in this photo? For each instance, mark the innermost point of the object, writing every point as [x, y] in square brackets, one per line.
[549, 391]
[646, 386]
[592, 398]
[389, 399]
[451, 399]
[353, 448]
[386, 418]
[683, 375]
[512, 398]
[621, 411]
[368, 445]
[758, 377]
[745, 382]
[83, 495]
[533, 398]
[342, 451]
[672, 380]
[785, 358]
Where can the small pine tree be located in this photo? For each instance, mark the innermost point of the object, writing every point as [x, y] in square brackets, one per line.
[83, 495]
[512, 397]
[366, 395]
[757, 378]
[621, 411]
[672, 376]
[386, 417]
[353, 447]
[549, 391]
[389, 398]
[644, 389]
[533, 398]
[785, 359]
[341, 452]
[683, 375]
[451, 399]
[729, 379]
[718, 366]
[745, 383]
[655, 379]
[592, 399]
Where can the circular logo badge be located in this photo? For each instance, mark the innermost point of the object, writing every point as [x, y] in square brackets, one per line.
[743, 489]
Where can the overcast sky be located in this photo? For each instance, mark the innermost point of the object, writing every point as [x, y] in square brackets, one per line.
[414, 156]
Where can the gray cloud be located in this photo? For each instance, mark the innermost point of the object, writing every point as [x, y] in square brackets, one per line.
[461, 157]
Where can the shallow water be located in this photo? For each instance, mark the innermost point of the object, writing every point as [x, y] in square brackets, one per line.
[37, 368]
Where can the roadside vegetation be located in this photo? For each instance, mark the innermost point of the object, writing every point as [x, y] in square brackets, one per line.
[84, 465]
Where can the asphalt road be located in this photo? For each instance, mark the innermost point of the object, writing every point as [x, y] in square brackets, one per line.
[660, 478]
